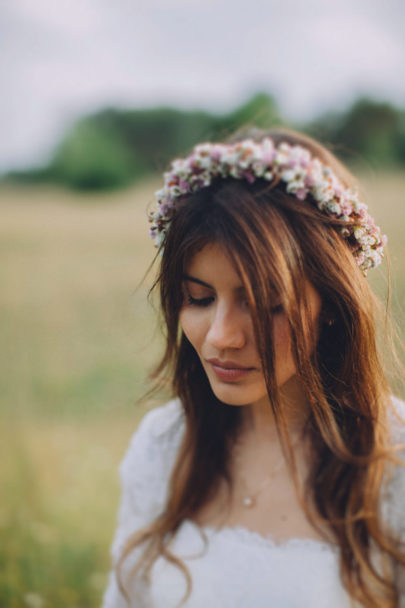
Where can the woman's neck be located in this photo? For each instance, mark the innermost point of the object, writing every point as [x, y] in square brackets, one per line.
[259, 424]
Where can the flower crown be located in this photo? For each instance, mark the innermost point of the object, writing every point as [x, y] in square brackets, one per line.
[291, 164]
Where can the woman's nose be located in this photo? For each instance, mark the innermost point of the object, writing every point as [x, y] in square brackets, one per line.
[226, 329]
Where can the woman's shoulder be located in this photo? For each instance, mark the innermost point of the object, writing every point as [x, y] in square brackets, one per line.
[157, 431]
[394, 489]
[161, 421]
[151, 453]
[396, 415]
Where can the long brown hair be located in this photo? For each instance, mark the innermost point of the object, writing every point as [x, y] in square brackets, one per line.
[275, 242]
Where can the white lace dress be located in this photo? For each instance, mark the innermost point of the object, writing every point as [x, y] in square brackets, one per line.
[235, 568]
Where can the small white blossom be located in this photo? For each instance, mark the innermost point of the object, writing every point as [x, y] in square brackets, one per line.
[359, 233]
[180, 167]
[322, 192]
[297, 174]
[259, 168]
[174, 191]
[283, 154]
[333, 207]
[204, 162]
[294, 186]
[203, 149]
[358, 207]
[229, 158]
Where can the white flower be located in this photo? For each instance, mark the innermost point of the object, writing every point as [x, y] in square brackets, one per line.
[180, 167]
[244, 163]
[175, 191]
[283, 154]
[293, 186]
[357, 206]
[299, 155]
[204, 162]
[230, 158]
[375, 257]
[322, 192]
[359, 233]
[334, 207]
[203, 149]
[369, 239]
[259, 168]
[294, 174]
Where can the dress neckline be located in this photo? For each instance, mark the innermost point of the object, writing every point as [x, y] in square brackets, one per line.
[245, 535]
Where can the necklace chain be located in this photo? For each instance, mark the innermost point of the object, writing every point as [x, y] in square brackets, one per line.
[249, 498]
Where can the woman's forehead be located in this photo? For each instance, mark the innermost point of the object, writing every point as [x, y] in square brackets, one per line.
[213, 263]
[214, 266]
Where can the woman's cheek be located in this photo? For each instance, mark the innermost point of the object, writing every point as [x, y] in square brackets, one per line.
[281, 329]
[191, 321]
[184, 320]
[285, 366]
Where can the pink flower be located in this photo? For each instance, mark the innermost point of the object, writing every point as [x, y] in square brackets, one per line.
[269, 156]
[216, 153]
[301, 193]
[248, 176]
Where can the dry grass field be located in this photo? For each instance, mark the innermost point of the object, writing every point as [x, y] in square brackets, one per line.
[77, 341]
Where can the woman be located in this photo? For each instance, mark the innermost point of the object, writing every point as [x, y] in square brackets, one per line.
[271, 479]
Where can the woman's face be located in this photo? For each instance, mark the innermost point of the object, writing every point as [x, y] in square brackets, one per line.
[216, 319]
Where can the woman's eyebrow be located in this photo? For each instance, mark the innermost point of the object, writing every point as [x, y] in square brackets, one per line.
[187, 277]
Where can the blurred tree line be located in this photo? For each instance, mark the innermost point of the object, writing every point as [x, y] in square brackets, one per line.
[114, 148]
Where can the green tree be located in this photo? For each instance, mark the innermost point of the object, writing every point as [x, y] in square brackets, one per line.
[369, 130]
[94, 158]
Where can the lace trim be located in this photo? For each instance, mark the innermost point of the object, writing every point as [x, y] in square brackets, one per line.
[267, 541]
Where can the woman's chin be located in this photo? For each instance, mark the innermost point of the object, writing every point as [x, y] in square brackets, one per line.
[235, 395]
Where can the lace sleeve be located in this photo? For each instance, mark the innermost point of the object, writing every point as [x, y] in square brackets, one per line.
[398, 524]
[144, 474]
[396, 497]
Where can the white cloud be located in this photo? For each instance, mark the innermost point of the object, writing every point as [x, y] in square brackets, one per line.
[64, 17]
[62, 58]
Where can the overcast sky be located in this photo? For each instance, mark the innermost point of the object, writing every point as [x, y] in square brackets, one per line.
[60, 58]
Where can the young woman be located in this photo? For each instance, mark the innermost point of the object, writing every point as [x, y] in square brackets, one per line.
[273, 478]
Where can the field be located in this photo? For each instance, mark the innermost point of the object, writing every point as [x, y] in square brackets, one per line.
[78, 339]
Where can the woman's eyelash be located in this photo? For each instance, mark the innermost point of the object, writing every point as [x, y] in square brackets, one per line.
[208, 300]
[199, 301]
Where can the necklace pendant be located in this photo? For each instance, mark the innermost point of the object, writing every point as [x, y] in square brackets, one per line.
[248, 501]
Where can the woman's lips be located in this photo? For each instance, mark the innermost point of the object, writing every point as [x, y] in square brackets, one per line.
[228, 370]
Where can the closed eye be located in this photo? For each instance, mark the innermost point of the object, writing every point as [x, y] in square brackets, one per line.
[200, 301]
